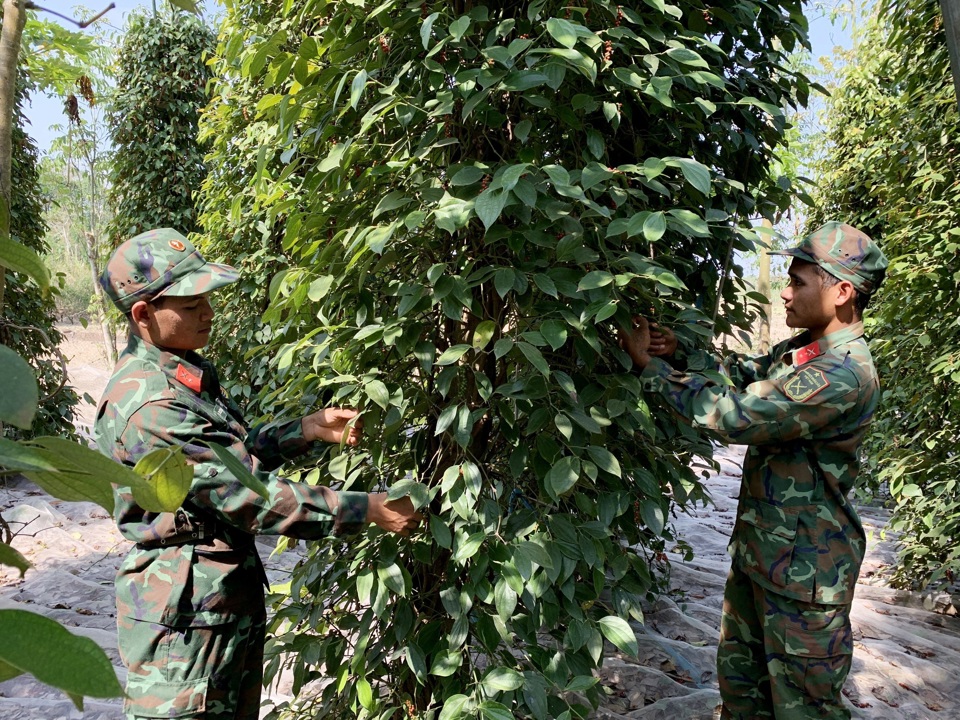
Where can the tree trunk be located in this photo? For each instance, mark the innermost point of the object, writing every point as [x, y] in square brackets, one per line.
[951, 23]
[763, 287]
[109, 338]
[14, 18]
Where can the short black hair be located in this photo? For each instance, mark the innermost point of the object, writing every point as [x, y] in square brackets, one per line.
[860, 299]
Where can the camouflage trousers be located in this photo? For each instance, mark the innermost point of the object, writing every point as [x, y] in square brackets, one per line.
[203, 673]
[781, 658]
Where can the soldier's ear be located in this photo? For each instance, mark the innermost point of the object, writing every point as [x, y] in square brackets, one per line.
[845, 292]
[140, 313]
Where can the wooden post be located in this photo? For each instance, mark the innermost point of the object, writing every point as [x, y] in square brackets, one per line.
[951, 25]
[763, 286]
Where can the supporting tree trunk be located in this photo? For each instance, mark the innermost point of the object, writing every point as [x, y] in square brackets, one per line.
[763, 287]
[14, 18]
[951, 25]
[109, 338]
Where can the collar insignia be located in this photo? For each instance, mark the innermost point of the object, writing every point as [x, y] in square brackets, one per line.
[188, 378]
[807, 353]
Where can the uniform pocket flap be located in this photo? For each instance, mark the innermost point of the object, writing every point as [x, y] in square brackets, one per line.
[772, 518]
[148, 698]
[818, 643]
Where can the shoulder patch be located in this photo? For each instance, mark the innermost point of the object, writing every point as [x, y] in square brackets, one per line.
[805, 384]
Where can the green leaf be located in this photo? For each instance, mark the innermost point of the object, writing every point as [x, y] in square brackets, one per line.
[654, 226]
[417, 662]
[688, 57]
[356, 89]
[19, 395]
[458, 27]
[452, 213]
[239, 471]
[10, 557]
[469, 547]
[20, 458]
[652, 515]
[82, 473]
[595, 279]
[503, 281]
[563, 31]
[562, 477]
[452, 355]
[19, 257]
[483, 334]
[695, 173]
[489, 205]
[502, 679]
[467, 176]
[426, 29]
[520, 81]
[319, 288]
[365, 693]
[535, 357]
[545, 284]
[167, 479]
[446, 663]
[378, 393]
[605, 460]
[188, 5]
[554, 332]
[42, 647]
[457, 707]
[490, 710]
[618, 631]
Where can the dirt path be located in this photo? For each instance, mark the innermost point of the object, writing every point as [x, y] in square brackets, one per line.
[906, 663]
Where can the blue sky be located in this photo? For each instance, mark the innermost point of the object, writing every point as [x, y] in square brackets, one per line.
[44, 112]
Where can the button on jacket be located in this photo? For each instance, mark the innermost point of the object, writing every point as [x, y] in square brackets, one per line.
[803, 410]
[198, 566]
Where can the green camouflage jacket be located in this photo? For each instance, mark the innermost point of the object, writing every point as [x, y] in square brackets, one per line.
[198, 566]
[802, 410]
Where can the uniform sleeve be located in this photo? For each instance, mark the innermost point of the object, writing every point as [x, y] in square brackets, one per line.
[793, 407]
[746, 369]
[274, 443]
[294, 509]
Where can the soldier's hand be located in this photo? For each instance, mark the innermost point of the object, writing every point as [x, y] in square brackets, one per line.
[396, 516]
[662, 340]
[333, 425]
[636, 341]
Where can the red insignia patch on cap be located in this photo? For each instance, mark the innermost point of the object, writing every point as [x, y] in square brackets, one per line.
[188, 378]
[177, 245]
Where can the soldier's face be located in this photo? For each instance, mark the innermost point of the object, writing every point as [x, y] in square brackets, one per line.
[181, 323]
[807, 302]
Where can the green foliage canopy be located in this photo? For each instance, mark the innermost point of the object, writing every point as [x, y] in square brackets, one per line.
[161, 79]
[28, 315]
[445, 210]
[893, 171]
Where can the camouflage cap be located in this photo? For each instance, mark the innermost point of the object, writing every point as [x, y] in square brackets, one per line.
[160, 262]
[844, 252]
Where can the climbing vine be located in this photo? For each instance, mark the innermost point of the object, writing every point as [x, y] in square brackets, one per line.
[443, 212]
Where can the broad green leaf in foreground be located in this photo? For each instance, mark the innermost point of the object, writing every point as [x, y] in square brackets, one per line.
[618, 631]
[167, 478]
[18, 390]
[19, 458]
[239, 470]
[82, 473]
[19, 257]
[10, 557]
[42, 647]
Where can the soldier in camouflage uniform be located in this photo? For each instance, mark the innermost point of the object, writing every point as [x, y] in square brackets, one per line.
[802, 410]
[190, 605]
